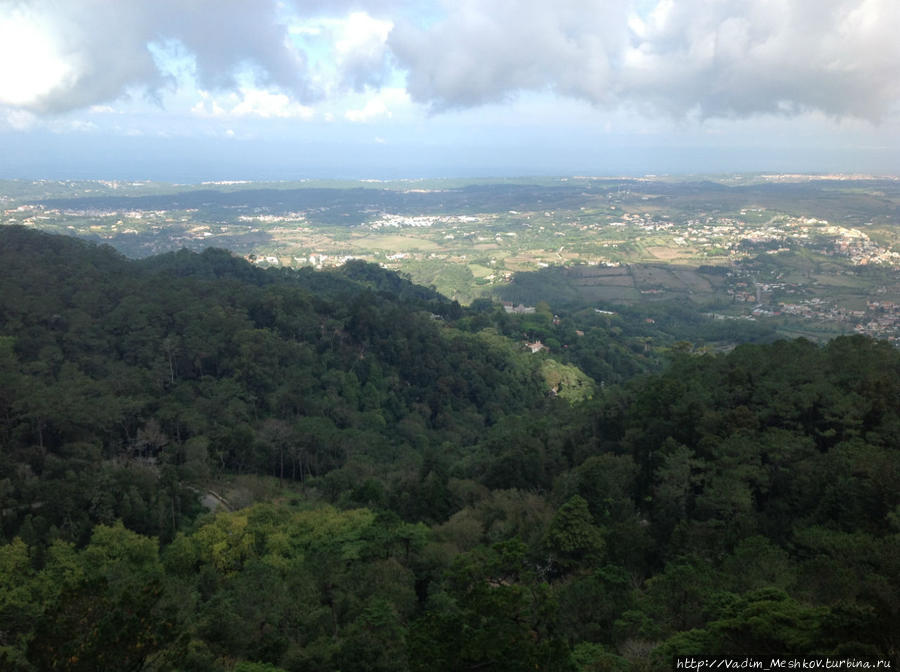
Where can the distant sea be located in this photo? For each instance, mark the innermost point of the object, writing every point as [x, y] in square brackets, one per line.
[82, 157]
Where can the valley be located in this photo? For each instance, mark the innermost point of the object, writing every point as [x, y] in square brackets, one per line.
[808, 255]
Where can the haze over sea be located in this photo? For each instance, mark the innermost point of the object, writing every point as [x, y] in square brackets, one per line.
[198, 160]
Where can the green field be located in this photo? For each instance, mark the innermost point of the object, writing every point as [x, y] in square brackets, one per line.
[835, 241]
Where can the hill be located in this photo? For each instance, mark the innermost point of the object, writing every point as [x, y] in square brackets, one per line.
[402, 486]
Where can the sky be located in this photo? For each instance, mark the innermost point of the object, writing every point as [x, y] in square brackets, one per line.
[193, 90]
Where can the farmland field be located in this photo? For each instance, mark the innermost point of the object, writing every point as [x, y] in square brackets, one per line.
[805, 249]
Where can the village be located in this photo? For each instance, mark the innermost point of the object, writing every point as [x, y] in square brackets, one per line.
[772, 264]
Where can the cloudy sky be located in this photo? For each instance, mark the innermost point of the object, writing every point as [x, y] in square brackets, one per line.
[281, 89]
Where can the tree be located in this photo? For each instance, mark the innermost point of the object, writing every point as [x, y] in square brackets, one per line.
[494, 615]
[110, 610]
[573, 540]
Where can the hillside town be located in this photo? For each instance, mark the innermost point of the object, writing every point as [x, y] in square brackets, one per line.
[755, 262]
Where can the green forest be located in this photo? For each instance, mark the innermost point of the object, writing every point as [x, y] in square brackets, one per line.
[430, 495]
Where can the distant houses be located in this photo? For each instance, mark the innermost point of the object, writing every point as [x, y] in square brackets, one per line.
[536, 347]
[521, 309]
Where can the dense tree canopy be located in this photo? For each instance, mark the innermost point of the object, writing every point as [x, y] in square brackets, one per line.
[439, 503]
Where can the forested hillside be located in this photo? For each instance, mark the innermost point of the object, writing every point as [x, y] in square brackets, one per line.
[438, 497]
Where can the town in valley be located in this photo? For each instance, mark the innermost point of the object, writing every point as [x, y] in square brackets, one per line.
[811, 255]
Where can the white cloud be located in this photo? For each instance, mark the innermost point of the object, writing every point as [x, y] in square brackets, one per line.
[345, 52]
[18, 120]
[706, 58]
[361, 49]
[483, 52]
[372, 110]
[735, 58]
[301, 29]
[274, 58]
[382, 105]
[268, 105]
[30, 52]
[72, 126]
[257, 103]
[362, 33]
[90, 53]
[94, 51]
